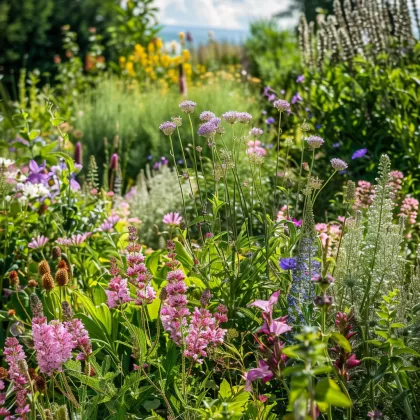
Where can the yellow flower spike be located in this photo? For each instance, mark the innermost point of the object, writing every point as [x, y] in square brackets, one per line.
[151, 48]
[130, 69]
[186, 54]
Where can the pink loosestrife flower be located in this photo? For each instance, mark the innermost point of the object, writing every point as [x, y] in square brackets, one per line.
[80, 337]
[118, 292]
[15, 355]
[203, 331]
[53, 344]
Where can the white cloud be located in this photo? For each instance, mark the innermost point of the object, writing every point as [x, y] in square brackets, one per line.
[228, 14]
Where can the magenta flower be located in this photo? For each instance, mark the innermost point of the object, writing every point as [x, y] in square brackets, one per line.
[172, 219]
[267, 305]
[38, 242]
[278, 327]
[261, 372]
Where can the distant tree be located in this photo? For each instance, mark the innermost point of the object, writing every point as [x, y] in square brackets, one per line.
[30, 30]
[310, 8]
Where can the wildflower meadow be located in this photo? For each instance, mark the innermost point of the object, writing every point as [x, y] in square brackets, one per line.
[217, 231]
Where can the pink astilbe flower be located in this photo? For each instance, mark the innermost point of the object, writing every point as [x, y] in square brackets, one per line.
[254, 147]
[396, 183]
[364, 195]
[53, 344]
[15, 357]
[410, 208]
[172, 219]
[203, 332]
[329, 233]
[80, 337]
[38, 242]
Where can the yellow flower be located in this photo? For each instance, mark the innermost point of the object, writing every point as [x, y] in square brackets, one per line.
[186, 54]
[130, 69]
[188, 69]
[151, 48]
[165, 60]
[159, 44]
[122, 62]
[182, 36]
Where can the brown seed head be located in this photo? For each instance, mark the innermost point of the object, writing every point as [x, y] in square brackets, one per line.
[32, 373]
[43, 268]
[62, 276]
[32, 283]
[3, 373]
[14, 278]
[11, 312]
[56, 252]
[47, 281]
[40, 384]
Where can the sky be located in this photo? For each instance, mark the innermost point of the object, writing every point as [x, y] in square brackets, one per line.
[227, 14]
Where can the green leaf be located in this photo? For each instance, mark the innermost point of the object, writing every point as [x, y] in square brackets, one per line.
[225, 390]
[34, 134]
[327, 391]
[341, 341]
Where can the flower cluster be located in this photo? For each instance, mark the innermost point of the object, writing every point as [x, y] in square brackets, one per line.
[75, 240]
[199, 332]
[118, 292]
[410, 208]
[330, 234]
[18, 374]
[137, 272]
[255, 148]
[109, 223]
[364, 195]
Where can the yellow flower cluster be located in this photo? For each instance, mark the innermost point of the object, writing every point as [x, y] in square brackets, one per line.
[157, 63]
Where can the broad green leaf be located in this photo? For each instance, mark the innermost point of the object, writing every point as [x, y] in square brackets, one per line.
[329, 392]
[225, 390]
[341, 341]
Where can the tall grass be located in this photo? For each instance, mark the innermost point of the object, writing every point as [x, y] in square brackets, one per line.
[128, 118]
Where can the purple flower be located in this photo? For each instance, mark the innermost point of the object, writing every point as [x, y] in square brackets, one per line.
[230, 117]
[315, 142]
[297, 223]
[338, 164]
[272, 97]
[261, 372]
[270, 120]
[359, 154]
[296, 98]
[282, 105]
[207, 116]
[207, 129]
[38, 242]
[267, 91]
[187, 106]
[278, 327]
[244, 117]
[118, 293]
[168, 127]
[256, 132]
[172, 219]
[37, 173]
[336, 145]
[287, 263]
[300, 79]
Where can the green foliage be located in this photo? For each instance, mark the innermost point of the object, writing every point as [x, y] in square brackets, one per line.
[274, 54]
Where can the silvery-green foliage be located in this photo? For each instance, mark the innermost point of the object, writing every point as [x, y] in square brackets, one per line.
[156, 194]
[369, 263]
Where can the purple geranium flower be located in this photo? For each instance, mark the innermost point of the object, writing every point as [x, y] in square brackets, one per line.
[270, 120]
[296, 98]
[287, 263]
[359, 154]
[37, 173]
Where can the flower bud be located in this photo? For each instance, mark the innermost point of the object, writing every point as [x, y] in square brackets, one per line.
[32, 283]
[56, 252]
[14, 279]
[36, 306]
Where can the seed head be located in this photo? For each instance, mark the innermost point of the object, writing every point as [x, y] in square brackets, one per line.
[14, 278]
[62, 277]
[47, 282]
[43, 268]
[56, 252]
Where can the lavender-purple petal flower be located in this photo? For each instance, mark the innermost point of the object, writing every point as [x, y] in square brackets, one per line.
[359, 154]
